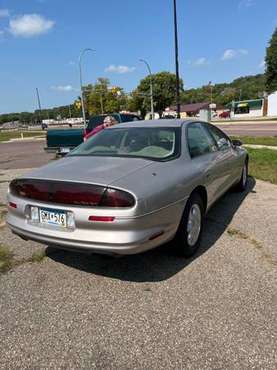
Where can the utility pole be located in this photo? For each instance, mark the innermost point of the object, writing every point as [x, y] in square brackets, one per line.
[211, 91]
[151, 87]
[81, 83]
[240, 94]
[39, 106]
[101, 102]
[178, 106]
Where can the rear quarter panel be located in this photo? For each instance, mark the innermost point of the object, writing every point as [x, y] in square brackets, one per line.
[161, 185]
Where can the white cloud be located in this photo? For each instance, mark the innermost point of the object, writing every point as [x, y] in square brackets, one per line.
[119, 69]
[228, 54]
[245, 4]
[71, 63]
[233, 53]
[201, 61]
[4, 13]
[63, 88]
[29, 25]
[243, 52]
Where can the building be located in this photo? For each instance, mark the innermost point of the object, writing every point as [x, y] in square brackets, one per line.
[190, 110]
[272, 105]
[247, 108]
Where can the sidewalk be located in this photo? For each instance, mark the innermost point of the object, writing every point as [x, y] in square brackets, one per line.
[25, 139]
[254, 146]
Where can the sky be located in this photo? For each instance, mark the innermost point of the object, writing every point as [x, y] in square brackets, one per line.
[40, 42]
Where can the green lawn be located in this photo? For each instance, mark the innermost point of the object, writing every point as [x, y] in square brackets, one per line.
[7, 135]
[263, 164]
[271, 140]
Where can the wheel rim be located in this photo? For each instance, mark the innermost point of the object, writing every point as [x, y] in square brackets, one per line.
[244, 175]
[194, 225]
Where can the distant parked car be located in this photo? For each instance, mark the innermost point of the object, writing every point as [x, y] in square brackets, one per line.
[225, 114]
[129, 188]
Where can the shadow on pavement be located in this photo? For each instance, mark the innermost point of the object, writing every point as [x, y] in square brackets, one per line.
[160, 263]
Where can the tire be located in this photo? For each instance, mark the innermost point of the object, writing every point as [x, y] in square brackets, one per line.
[242, 184]
[187, 242]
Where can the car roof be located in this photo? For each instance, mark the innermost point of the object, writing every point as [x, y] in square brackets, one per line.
[154, 123]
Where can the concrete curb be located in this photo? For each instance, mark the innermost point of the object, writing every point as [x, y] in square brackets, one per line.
[260, 146]
[16, 140]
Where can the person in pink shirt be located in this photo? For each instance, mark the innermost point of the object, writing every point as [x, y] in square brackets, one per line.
[108, 121]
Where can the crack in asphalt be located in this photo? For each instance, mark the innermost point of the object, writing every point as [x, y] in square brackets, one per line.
[233, 232]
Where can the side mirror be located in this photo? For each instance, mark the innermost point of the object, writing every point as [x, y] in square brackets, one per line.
[237, 142]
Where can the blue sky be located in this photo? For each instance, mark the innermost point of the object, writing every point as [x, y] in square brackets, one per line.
[40, 41]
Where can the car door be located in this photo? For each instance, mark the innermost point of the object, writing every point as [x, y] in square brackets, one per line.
[227, 155]
[205, 160]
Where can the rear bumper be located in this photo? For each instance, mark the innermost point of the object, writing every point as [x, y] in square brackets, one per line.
[134, 247]
[127, 234]
[58, 150]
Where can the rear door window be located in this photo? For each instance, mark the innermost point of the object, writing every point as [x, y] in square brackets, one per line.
[222, 140]
[199, 142]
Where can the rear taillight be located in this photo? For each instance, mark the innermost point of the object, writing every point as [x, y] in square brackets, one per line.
[58, 192]
[117, 198]
[12, 205]
[71, 193]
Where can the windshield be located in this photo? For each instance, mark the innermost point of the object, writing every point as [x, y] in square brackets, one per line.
[156, 143]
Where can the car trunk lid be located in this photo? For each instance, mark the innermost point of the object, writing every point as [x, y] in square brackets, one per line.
[89, 169]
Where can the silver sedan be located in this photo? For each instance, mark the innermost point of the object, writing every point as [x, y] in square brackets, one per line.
[130, 188]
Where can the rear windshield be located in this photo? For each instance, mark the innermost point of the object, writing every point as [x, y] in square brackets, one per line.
[158, 143]
[99, 120]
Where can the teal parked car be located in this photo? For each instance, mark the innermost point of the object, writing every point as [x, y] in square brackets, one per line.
[62, 141]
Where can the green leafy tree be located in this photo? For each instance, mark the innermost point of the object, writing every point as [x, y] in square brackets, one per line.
[164, 90]
[102, 98]
[271, 64]
[243, 88]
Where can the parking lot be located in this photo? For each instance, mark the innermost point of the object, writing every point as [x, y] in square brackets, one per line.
[154, 310]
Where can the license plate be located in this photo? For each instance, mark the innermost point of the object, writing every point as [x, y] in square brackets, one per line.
[65, 150]
[52, 217]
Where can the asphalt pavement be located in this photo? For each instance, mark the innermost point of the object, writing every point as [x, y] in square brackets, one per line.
[23, 154]
[154, 310]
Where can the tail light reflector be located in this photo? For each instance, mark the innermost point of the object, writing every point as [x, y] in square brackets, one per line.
[155, 236]
[12, 205]
[101, 218]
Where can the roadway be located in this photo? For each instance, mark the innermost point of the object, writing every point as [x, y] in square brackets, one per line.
[261, 128]
[30, 154]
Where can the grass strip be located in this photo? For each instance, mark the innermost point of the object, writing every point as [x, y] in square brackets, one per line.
[7, 135]
[270, 140]
[263, 164]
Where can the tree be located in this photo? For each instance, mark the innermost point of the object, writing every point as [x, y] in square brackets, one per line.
[102, 98]
[164, 85]
[249, 87]
[271, 64]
